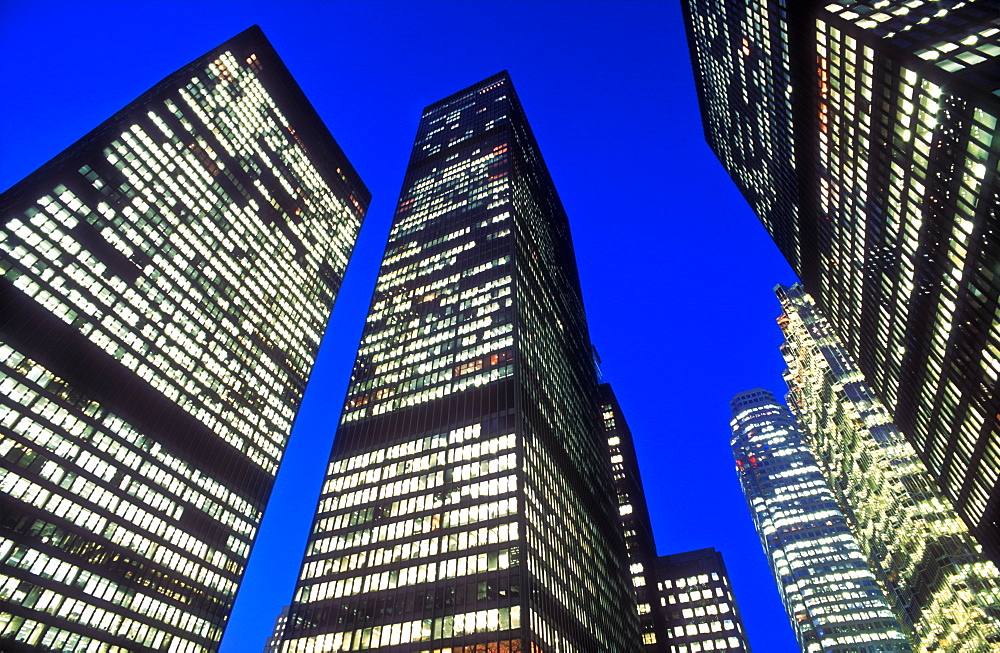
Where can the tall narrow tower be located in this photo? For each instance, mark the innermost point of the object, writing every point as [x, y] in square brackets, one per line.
[468, 501]
[634, 517]
[164, 285]
[830, 594]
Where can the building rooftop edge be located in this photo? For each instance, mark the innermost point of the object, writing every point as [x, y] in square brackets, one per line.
[502, 75]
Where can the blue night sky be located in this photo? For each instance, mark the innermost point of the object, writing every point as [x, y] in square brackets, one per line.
[676, 270]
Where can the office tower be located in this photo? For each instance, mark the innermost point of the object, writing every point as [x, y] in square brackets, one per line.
[697, 604]
[829, 592]
[942, 590]
[166, 282]
[467, 504]
[634, 519]
[864, 135]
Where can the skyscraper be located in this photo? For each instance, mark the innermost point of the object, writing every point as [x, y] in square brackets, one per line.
[942, 590]
[634, 517]
[830, 594]
[467, 504]
[864, 135]
[697, 604]
[165, 284]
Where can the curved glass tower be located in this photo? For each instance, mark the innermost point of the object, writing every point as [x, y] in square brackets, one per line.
[829, 592]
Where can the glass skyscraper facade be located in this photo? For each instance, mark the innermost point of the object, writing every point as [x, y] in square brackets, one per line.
[740, 55]
[864, 135]
[943, 591]
[467, 504]
[830, 594]
[165, 284]
[697, 604]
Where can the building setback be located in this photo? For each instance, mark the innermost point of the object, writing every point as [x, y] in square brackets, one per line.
[634, 518]
[684, 600]
[697, 604]
[864, 135]
[942, 590]
[273, 643]
[831, 596]
[467, 504]
[165, 284]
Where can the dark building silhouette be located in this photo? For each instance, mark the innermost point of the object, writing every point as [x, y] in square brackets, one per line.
[467, 504]
[165, 284]
[943, 591]
[273, 643]
[634, 517]
[684, 600]
[697, 604]
[830, 594]
[864, 135]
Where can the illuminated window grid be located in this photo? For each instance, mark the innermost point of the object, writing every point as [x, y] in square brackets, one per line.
[449, 124]
[886, 491]
[557, 570]
[702, 614]
[273, 644]
[58, 461]
[894, 109]
[830, 594]
[164, 174]
[546, 371]
[970, 35]
[466, 623]
[634, 517]
[475, 297]
[845, 81]
[746, 48]
[922, 118]
[441, 507]
[437, 325]
[560, 548]
[157, 249]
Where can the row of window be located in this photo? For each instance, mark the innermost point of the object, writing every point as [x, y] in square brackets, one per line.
[433, 501]
[427, 572]
[422, 548]
[415, 526]
[422, 630]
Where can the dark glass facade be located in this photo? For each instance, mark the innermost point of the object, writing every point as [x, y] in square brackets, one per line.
[740, 52]
[467, 504]
[888, 207]
[165, 284]
[697, 604]
[830, 594]
[943, 591]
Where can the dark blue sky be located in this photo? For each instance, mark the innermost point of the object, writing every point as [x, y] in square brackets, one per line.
[676, 270]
